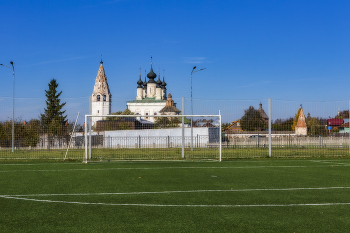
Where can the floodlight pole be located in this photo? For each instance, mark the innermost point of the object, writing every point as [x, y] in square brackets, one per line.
[192, 106]
[13, 104]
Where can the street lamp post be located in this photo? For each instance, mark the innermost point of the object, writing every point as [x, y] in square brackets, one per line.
[13, 103]
[192, 106]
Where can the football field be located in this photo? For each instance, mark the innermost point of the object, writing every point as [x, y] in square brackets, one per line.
[248, 195]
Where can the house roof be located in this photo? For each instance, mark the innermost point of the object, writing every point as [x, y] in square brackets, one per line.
[335, 122]
[233, 127]
[262, 112]
[170, 109]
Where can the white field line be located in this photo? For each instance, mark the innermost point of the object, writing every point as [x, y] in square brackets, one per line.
[329, 162]
[23, 197]
[159, 168]
[175, 205]
[176, 191]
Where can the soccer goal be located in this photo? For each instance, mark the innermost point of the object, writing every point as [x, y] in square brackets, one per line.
[152, 137]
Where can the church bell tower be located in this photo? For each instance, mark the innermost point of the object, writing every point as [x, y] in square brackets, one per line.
[101, 98]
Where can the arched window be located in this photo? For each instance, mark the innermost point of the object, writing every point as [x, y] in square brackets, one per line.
[104, 97]
[98, 97]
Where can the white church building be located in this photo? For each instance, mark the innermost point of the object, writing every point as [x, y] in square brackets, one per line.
[151, 97]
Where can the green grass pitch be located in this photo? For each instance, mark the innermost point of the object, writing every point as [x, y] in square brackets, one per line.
[246, 195]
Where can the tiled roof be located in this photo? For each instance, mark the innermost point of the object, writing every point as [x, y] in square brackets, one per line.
[170, 109]
[335, 122]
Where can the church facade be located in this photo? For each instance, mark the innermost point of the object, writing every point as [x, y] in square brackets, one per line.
[151, 97]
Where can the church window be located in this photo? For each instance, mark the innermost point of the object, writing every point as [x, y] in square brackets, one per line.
[98, 111]
[104, 97]
[98, 97]
[155, 113]
[147, 115]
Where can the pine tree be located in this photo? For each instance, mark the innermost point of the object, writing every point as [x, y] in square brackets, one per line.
[54, 114]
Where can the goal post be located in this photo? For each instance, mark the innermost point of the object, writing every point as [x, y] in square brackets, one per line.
[152, 137]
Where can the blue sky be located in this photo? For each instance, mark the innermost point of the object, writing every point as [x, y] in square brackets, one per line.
[286, 50]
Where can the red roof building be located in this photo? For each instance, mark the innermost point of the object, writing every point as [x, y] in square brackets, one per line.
[335, 122]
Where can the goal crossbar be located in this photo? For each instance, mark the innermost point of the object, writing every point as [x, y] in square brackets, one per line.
[139, 116]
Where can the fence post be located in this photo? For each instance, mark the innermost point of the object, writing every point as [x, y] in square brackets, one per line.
[183, 127]
[139, 141]
[269, 127]
[90, 123]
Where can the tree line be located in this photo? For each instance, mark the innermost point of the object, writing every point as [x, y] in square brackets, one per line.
[253, 121]
[53, 123]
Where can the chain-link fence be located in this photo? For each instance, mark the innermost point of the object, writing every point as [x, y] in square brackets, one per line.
[298, 128]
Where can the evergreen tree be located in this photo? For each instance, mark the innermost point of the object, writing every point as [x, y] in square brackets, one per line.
[54, 114]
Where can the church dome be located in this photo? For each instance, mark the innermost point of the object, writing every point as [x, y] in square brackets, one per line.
[139, 83]
[163, 83]
[151, 75]
[158, 82]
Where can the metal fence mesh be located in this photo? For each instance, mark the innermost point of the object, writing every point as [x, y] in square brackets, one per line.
[244, 134]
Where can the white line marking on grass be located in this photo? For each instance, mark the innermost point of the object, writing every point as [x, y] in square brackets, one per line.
[175, 205]
[167, 192]
[329, 162]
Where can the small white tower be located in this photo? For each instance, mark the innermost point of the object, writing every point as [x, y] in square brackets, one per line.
[101, 99]
[301, 127]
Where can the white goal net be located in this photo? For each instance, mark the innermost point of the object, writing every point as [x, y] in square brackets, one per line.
[152, 137]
